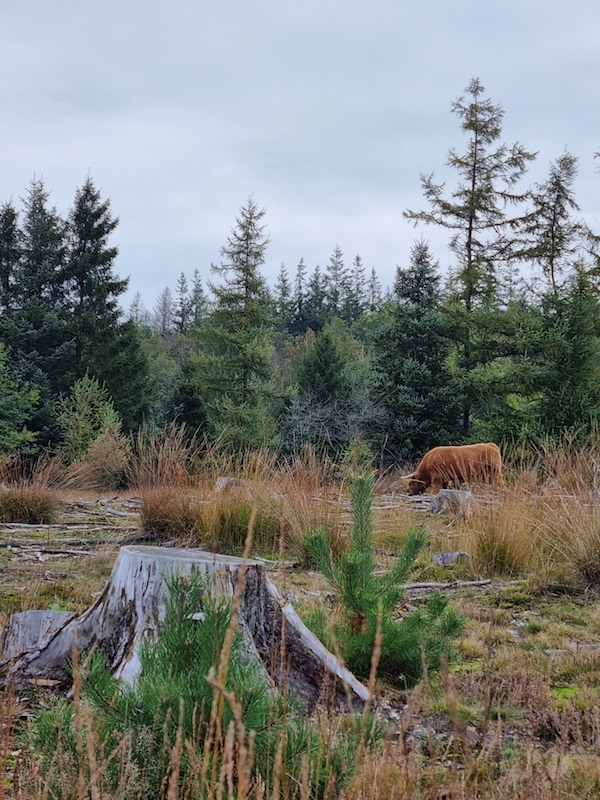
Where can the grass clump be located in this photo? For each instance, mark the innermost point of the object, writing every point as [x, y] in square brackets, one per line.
[366, 598]
[201, 715]
[30, 505]
[169, 514]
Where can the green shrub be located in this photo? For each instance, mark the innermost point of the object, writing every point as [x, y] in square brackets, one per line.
[366, 596]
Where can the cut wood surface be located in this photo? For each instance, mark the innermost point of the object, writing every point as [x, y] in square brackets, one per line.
[34, 646]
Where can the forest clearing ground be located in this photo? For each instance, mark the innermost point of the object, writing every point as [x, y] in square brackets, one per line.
[528, 660]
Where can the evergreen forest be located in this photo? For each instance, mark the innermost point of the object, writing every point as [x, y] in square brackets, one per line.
[504, 345]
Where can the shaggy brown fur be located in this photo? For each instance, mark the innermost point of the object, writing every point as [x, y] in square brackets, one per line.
[470, 464]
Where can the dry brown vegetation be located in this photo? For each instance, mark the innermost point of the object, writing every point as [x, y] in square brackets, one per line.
[515, 716]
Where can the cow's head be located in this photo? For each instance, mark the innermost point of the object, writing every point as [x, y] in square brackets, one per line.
[415, 486]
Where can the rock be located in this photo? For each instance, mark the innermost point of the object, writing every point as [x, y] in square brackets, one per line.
[447, 559]
[455, 501]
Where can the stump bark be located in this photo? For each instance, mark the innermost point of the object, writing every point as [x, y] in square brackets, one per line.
[38, 644]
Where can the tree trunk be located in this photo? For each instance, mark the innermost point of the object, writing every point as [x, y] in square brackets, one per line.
[37, 644]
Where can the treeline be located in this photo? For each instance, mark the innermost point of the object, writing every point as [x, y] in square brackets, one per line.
[505, 347]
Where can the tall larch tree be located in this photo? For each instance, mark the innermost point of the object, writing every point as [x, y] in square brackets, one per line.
[482, 214]
[232, 375]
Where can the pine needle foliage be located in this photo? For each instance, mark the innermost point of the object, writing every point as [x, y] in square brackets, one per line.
[424, 636]
[173, 701]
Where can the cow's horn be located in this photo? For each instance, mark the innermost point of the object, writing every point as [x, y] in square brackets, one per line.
[406, 477]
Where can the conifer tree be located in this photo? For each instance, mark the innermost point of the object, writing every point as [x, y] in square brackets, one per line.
[92, 287]
[105, 347]
[232, 376]
[198, 300]
[483, 233]
[373, 292]
[335, 283]
[284, 303]
[299, 325]
[18, 402]
[568, 380]
[355, 298]
[182, 306]
[421, 402]
[369, 600]
[315, 308]
[10, 252]
[36, 326]
[554, 236]
[163, 313]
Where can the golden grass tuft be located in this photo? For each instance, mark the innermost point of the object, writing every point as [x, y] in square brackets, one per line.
[29, 505]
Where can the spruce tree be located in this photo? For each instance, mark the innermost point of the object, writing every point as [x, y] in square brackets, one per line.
[182, 306]
[355, 298]
[35, 326]
[198, 300]
[483, 233]
[19, 400]
[421, 402]
[92, 287]
[568, 379]
[315, 308]
[105, 347]
[373, 292]
[299, 325]
[336, 283]
[10, 252]
[284, 302]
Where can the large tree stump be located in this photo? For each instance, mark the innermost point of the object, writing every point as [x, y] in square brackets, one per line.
[38, 644]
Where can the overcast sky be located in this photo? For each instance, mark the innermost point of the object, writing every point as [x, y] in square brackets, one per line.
[326, 111]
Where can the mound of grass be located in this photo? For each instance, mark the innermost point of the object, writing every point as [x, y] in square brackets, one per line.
[170, 514]
[31, 505]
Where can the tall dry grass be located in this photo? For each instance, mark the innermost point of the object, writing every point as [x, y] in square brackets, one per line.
[280, 500]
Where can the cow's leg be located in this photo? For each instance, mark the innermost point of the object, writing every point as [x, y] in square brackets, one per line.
[437, 484]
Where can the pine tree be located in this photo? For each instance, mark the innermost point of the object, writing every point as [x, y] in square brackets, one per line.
[483, 233]
[368, 600]
[421, 402]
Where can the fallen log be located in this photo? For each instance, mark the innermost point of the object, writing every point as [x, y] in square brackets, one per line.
[132, 603]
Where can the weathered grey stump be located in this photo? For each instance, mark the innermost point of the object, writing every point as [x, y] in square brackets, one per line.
[38, 644]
